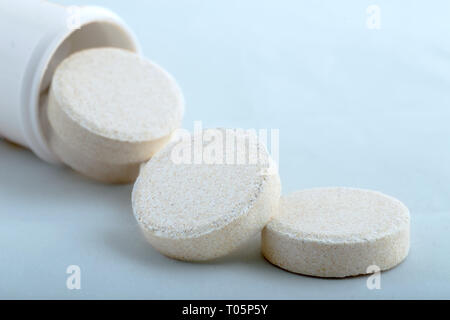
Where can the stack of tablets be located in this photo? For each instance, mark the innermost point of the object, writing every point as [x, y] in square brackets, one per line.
[109, 110]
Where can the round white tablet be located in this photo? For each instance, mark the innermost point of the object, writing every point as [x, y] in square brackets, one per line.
[198, 208]
[337, 232]
[109, 110]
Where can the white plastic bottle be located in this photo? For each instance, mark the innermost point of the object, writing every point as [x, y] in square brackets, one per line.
[35, 36]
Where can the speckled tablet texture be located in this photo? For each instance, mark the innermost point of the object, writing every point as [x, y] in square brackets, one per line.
[109, 110]
[196, 212]
[337, 232]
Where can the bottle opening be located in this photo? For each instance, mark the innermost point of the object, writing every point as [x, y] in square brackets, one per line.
[94, 34]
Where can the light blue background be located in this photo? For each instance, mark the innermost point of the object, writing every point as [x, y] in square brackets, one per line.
[355, 107]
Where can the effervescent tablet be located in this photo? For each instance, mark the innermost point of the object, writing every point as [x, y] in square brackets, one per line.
[109, 110]
[202, 207]
[337, 232]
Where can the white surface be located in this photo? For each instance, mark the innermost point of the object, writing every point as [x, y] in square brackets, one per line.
[52, 218]
[355, 107]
